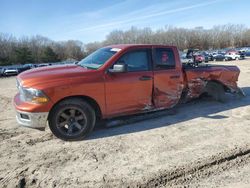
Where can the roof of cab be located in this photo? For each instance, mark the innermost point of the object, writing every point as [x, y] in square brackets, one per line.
[124, 46]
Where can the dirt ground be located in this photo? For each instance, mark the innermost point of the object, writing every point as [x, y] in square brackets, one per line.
[200, 144]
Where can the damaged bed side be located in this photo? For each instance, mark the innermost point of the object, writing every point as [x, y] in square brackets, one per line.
[214, 80]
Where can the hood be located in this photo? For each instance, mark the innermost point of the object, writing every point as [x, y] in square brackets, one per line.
[45, 75]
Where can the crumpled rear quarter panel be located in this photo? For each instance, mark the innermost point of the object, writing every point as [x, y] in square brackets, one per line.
[198, 77]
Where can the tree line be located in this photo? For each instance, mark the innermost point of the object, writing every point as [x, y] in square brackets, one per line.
[39, 49]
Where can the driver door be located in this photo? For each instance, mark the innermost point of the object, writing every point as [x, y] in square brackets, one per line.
[130, 91]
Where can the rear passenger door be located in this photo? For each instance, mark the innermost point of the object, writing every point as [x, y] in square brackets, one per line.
[168, 78]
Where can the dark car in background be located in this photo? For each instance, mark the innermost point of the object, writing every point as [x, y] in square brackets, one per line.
[242, 54]
[219, 57]
[247, 53]
[206, 57]
[44, 65]
[1, 71]
[210, 57]
[26, 67]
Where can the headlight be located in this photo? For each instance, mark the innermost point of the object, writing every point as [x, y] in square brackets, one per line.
[32, 95]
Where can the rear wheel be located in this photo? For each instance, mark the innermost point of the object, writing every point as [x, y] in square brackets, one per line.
[216, 91]
[72, 119]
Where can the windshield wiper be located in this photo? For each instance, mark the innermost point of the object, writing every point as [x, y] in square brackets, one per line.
[83, 66]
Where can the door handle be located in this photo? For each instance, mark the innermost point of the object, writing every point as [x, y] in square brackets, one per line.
[144, 78]
[175, 76]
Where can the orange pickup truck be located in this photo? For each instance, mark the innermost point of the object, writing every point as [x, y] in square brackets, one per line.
[114, 81]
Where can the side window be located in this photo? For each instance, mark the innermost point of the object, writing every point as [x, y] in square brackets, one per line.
[164, 59]
[136, 60]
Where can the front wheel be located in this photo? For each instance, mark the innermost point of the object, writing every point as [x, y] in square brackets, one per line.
[72, 119]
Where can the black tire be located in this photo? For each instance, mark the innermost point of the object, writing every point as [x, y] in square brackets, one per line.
[72, 119]
[216, 91]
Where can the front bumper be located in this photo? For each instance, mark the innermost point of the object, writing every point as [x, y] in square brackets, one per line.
[33, 120]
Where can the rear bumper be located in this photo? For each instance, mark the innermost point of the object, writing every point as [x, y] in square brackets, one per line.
[236, 90]
[33, 120]
[240, 92]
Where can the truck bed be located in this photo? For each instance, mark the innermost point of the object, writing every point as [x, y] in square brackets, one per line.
[197, 77]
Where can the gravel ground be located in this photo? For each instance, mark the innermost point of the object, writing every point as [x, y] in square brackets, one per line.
[200, 144]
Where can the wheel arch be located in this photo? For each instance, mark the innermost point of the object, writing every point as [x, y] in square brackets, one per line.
[88, 99]
[226, 88]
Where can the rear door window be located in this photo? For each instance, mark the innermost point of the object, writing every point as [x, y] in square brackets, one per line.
[164, 59]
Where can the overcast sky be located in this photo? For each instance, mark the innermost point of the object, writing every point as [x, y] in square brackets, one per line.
[92, 20]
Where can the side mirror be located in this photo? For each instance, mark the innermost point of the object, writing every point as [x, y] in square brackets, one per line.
[117, 68]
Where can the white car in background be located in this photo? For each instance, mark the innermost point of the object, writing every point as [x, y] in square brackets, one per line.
[232, 55]
[185, 59]
[10, 71]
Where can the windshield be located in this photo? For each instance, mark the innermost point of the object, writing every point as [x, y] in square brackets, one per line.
[98, 58]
